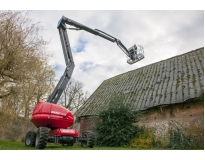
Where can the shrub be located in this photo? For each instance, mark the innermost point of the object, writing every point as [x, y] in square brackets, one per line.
[144, 138]
[116, 126]
[179, 140]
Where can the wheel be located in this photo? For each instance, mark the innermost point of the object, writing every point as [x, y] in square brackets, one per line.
[41, 138]
[30, 139]
[89, 139]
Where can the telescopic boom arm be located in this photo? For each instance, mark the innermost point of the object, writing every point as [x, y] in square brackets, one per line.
[135, 53]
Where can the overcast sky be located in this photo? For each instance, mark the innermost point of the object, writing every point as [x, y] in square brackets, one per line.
[163, 34]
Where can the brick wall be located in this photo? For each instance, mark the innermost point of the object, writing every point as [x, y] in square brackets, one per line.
[87, 123]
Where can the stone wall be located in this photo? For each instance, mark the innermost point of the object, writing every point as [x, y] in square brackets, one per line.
[188, 116]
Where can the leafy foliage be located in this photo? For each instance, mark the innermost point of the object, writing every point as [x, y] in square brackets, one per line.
[144, 138]
[176, 138]
[116, 125]
[179, 140]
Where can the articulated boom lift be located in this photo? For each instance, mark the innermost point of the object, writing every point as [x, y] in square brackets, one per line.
[53, 120]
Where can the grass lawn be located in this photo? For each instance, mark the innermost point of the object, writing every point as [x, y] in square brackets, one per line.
[6, 145]
[12, 150]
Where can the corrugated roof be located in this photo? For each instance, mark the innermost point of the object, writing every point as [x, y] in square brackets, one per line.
[170, 81]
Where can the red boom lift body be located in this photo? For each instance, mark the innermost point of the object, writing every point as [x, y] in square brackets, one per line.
[51, 115]
[52, 120]
[54, 116]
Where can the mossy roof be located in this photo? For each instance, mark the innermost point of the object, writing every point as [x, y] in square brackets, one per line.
[169, 81]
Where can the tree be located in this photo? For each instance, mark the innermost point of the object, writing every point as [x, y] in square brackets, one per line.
[116, 126]
[73, 96]
[19, 48]
[25, 75]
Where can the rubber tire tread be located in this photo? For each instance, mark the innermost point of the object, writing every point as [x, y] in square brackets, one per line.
[43, 131]
[90, 139]
[32, 139]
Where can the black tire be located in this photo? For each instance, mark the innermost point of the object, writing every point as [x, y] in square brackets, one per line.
[30, 139]
[89, 139]
[41, 138]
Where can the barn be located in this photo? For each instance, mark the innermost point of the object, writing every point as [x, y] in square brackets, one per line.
[169, 92]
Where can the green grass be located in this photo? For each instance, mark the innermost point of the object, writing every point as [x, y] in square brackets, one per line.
[6, 145]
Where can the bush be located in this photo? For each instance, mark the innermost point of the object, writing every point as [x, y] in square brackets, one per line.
[116, 126]
[144, 138]
[179, 140]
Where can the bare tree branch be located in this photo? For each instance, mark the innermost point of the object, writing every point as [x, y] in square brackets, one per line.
[73, 96]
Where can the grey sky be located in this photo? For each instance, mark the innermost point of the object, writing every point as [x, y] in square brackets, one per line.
[163, 34]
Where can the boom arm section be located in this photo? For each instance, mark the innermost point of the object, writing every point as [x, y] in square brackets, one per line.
[54, 97]
[132, 52]
[135, 53]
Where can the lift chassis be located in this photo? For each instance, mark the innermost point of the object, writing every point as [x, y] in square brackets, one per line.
[52, 120]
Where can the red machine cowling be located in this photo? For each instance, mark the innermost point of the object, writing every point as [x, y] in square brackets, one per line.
[52, 115]
[64, 132]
